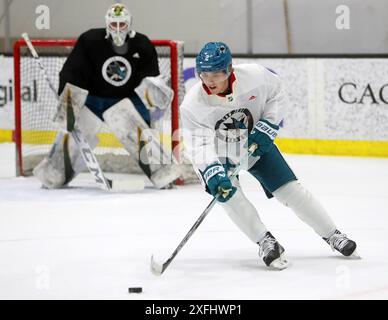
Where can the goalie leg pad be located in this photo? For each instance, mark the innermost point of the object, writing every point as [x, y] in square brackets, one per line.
[54, 170]
[244, 215]
[119, 121]
[65, 161]
[90, 125]
[129, 127]
[51, 170]
[78, 97]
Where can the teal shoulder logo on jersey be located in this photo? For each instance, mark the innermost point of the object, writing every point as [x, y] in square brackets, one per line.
[234, 125]
[116, 71]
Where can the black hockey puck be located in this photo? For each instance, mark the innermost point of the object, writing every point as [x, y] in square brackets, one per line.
[135, 289]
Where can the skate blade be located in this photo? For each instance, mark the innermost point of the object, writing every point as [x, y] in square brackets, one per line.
[279, 263]
[355, 256]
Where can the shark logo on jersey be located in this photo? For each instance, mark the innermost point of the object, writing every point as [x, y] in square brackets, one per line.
[116, 71]
[234, 125]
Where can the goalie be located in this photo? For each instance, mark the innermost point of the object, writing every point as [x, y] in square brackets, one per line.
[101, 73]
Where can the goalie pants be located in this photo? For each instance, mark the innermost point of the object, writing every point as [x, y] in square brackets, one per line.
[98, 105]
[279, 181]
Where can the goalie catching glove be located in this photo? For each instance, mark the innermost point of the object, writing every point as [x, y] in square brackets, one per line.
[154, 92]
[218, 182]
[263, 134]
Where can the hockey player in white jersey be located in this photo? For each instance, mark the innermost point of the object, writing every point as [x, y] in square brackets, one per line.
[233, 108]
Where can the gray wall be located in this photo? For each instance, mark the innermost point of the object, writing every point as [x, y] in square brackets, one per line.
[312, 23]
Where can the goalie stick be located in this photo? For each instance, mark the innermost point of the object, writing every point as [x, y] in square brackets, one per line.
[157, 268]
[83, 145]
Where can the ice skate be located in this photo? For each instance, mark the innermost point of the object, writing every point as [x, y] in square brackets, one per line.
[340, 242]
[272, 253]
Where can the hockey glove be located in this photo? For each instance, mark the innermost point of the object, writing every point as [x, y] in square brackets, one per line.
[218, 182]
[263, 134]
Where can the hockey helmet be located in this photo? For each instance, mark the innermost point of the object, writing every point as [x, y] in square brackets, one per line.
[118, 22]
[214, 57]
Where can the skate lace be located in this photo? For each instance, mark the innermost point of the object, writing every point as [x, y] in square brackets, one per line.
[338, 241]
[266, 246]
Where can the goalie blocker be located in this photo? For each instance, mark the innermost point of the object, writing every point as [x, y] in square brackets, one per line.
[64, 161]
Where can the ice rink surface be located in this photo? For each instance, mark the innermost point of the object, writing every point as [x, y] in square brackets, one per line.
[83, 243]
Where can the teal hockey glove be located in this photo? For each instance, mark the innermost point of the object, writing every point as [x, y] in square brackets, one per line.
[218, 182]
[263, 134]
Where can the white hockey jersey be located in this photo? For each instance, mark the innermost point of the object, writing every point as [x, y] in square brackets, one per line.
[215, 127]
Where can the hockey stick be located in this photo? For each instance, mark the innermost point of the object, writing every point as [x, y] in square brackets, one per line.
[157, 268]
[83, 145]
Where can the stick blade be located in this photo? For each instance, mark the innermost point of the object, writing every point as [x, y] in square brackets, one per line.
[156, 268]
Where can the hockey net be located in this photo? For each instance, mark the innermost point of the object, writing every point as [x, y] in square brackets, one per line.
[35, 106]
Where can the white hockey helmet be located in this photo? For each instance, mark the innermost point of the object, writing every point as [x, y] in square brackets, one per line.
[118, 21]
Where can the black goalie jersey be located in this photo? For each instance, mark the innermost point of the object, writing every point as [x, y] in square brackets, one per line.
[94, 65]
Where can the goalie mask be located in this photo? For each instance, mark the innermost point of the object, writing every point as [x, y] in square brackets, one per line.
[118, 23]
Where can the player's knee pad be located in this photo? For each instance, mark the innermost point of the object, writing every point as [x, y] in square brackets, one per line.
[239, 205]
[244, 214]
[292, 195]
[306, 207]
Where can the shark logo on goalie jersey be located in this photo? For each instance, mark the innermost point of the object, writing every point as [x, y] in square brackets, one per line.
[234, 125]
[116, 71]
